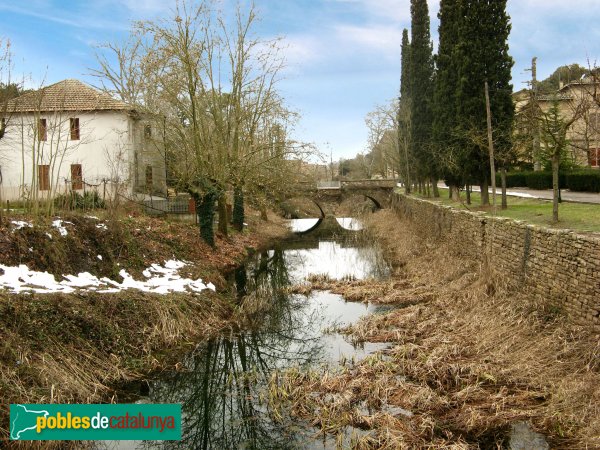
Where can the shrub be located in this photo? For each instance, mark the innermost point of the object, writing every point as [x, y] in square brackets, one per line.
[532, 180]
[583, 181]
[539, 180]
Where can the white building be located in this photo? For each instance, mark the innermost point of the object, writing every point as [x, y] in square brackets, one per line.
[71, 137]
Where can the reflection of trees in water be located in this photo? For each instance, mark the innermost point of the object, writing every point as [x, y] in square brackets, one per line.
[221, 389]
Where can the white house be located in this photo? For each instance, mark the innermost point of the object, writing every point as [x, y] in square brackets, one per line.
[71, 137]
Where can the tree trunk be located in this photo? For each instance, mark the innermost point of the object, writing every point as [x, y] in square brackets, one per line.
[223, 214]
[555, 187]
[454, 193]
[238, 208]
[468, 191]
[503, 182]
[436, 191]
[485, 195]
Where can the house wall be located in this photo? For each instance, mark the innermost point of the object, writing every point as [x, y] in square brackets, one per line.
[584, 133]
[110, 144]
[556, 267]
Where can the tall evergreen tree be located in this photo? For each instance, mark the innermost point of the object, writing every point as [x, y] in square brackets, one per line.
[483, 56]
[405, 66]
[421, 91]
[445, 107]
[403, 119]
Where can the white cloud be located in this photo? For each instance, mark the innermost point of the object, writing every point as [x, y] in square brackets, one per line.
[385, 40]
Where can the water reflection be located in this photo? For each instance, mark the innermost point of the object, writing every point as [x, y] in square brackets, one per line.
[350, 223]
[307, 225]
[222, 385]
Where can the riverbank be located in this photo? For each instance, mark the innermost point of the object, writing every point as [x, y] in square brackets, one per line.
[80, 343]
[471, 358]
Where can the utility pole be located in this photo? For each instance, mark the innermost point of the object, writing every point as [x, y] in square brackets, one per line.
[491, 146]
[537, 164]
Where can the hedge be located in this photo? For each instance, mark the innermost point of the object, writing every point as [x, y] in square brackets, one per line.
[583, 180]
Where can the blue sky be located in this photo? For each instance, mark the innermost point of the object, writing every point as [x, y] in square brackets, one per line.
[343, 56]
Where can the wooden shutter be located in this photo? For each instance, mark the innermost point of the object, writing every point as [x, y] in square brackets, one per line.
[76, 177]
[594, 158]
[43, 177]
[74, 122]
[42, 130]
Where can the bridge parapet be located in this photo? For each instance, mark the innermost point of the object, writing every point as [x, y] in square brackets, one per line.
[369, 184]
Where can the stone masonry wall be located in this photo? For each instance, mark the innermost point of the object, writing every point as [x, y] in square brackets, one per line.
[557, 266]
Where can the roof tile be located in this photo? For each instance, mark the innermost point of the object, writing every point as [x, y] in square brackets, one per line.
[66, 95]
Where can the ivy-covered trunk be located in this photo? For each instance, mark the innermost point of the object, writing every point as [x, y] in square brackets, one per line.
[205, 209]
[238, 208]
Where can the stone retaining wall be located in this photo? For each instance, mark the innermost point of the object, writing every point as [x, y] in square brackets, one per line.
[557, 266]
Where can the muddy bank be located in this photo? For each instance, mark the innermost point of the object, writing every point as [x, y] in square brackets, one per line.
[80, 346]
[470, 359]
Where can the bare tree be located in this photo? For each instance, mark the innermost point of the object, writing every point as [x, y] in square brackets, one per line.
[212, 85]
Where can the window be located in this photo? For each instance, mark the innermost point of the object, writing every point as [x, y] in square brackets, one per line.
[76, 177]
[148, 177]
[147, 131]
[44, 177]
[594, 157]
[74, 122]
[42, 130]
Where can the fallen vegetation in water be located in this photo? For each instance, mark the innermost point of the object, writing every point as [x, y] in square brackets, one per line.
[83, 346]
[469, 361]
[399, 293]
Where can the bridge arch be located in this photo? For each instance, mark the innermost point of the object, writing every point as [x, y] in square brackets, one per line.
[288, 203]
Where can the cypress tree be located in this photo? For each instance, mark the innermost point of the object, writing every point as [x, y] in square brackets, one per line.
[445, 105]
[404, 111]
[483, 56]
[421, 91]
[405, 66]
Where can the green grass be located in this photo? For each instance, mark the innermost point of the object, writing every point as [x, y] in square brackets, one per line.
[580, 217]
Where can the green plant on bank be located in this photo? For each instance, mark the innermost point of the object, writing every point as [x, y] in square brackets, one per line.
[580, 217]
[74, 200]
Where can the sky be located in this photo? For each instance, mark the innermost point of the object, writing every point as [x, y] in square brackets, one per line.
[342, 56]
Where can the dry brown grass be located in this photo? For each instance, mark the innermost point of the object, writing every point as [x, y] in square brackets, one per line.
[83, 347]
[468, 361]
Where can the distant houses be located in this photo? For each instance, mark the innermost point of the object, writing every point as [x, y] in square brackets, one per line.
[70, 137]
[579, 99]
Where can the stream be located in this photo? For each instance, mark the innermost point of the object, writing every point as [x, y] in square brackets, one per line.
[222, 384]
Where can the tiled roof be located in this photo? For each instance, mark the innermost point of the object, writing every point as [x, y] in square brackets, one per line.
[66, 95]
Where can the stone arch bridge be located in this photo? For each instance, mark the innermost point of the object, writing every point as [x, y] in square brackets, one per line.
[330, 194]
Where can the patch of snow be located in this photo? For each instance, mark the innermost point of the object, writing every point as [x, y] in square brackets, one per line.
[58, 224]
[160, 279]
[49, 235]
[99, 257]
[21, 224]
[102, 226]
[91, 217]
